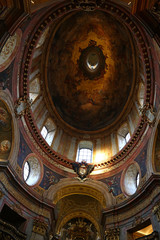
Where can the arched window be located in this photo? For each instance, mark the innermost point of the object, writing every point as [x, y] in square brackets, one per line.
[84, 152]
[34, 89]
[141, 92]
[48, 131]
[123, 136]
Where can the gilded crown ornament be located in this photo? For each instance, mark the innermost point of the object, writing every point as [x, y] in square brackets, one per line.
[82, 169]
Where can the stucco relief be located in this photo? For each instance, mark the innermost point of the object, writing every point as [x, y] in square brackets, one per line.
[9, 50]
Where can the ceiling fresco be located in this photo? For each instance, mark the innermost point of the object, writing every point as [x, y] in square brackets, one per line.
[90, 102]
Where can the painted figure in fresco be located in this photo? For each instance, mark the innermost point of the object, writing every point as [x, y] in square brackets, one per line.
[3, 116]
[113, 185]
[49, 179]
[5, 146]
[5, 120]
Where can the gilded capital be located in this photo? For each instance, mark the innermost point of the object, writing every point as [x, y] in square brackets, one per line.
[40, 227]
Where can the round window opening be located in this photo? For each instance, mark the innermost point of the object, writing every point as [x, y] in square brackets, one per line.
[131, 179]
[31, 171]
[26, 171]
[92, 60]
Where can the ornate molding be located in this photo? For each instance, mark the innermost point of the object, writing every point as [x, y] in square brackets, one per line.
[112, 234]
[40, 227]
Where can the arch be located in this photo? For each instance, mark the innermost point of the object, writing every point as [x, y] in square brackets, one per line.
[48, 131]
[57, 191]
[81, 190]
[77, 214]
[123, 135]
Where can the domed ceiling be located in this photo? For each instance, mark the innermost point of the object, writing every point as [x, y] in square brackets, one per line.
[90, 70]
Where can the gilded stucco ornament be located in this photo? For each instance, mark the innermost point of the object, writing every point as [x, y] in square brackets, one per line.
[149, 114]
[112, 234]
[40, 227]
[22, 107]
[82, 169]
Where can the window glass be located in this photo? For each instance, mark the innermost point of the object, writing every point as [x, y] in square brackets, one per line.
[26, 171]
[31, 171]
[85, 154]
[137, 180]
[44, 132]
[127, 137]
[49, 137]
[131, 179]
